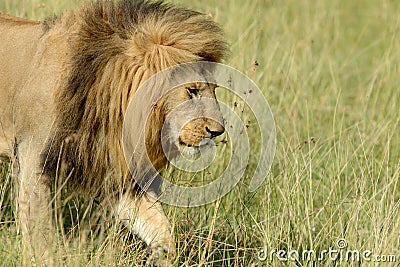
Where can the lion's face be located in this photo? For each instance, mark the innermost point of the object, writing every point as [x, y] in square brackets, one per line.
[193, 118]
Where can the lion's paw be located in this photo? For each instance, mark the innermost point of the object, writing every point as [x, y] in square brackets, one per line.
[159, 257]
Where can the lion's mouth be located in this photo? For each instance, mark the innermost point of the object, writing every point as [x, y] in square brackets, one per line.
[203, 143]
[183, 144]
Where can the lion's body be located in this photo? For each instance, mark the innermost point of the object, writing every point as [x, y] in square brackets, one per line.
[64, 87]
[17, 57]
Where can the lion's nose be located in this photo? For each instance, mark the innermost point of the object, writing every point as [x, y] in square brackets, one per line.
[215, 131]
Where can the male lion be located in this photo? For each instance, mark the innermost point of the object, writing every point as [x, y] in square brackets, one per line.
[65, 85]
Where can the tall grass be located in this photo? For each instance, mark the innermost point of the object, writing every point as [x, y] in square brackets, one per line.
[330, 71]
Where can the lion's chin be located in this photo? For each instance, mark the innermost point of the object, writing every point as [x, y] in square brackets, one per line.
[191, 152]
[194, 152]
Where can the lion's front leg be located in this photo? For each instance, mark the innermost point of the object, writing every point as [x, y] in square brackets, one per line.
[34, 208]
[145, 218]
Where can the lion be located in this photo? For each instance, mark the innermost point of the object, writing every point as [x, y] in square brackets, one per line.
[65, 85]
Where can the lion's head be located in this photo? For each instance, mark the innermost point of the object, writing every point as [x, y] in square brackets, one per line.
[113, 48]
[192, 118]
[207, 121]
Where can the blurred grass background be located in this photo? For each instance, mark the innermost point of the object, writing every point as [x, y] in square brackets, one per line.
[330, 72]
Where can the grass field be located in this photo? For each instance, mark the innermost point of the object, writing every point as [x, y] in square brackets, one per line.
[330, 72]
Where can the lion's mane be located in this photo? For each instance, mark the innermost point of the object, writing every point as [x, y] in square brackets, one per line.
[113, 49]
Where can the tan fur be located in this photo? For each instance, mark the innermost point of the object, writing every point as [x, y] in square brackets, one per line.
[64, 87]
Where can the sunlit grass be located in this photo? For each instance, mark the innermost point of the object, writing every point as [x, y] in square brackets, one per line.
[329, 70]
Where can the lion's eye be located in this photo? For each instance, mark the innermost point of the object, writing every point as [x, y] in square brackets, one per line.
[193, 92]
